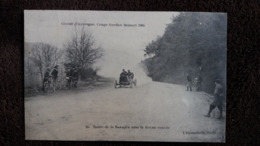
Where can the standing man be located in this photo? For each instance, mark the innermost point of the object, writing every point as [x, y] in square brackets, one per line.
[218, 101]
[188, 82]
[54, 75]
[68, 77]
[46, 78]
[75, 77]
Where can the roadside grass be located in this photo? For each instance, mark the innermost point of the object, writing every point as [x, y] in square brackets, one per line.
[85, 85]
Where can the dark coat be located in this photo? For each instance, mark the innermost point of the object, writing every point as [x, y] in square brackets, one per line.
[188, 78]
[68, 73]
[54, 73]
[218, 95]
[123, 74]
[46, 74]
[75, 74]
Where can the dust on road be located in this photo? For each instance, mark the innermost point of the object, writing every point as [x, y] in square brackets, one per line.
[73, 115]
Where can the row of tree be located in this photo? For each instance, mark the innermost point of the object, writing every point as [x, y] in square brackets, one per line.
[193, 43]
[80, 51]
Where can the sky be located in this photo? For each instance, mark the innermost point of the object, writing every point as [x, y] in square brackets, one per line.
[123, 46]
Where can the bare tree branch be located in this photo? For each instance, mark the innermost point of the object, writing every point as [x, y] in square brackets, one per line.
[81, 49]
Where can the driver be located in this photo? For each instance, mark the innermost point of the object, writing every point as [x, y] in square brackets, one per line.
[123, 76]
[130, 75]
[123, 73]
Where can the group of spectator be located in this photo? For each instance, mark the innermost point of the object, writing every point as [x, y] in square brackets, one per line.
[197, 83]
[218, 93]
[72, 76]
[50, 76]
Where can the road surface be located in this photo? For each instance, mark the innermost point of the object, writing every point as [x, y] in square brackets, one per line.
[151, 111]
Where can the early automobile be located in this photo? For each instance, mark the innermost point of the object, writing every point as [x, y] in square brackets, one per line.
[125, 81]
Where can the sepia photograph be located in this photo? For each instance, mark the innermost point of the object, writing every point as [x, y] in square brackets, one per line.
[125, 76]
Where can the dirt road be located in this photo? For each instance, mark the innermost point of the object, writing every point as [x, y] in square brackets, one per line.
[152, 111]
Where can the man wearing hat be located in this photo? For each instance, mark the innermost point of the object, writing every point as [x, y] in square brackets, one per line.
[46, 77]
[54, 74]
[123, 76]
[219, 98]
[189, 82]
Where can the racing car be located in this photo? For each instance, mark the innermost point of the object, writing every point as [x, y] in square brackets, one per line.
[125, 81]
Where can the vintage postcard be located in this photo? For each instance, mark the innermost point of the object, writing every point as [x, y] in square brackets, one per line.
[125, 76]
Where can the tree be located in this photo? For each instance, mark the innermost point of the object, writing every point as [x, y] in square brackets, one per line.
[44, 56]
[28, 72]
[81, 50]
[192, 42]
[152, 48]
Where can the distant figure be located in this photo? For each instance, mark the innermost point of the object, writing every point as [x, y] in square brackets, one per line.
[68, 77]
[123, 75]
[46, 78]
[199, 83]
[75, 76]
[54, 74]
[189, 82]
[218, 101]
[130, 75]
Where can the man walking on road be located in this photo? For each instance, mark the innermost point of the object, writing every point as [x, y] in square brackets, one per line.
[188, 82]
[218, 101]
